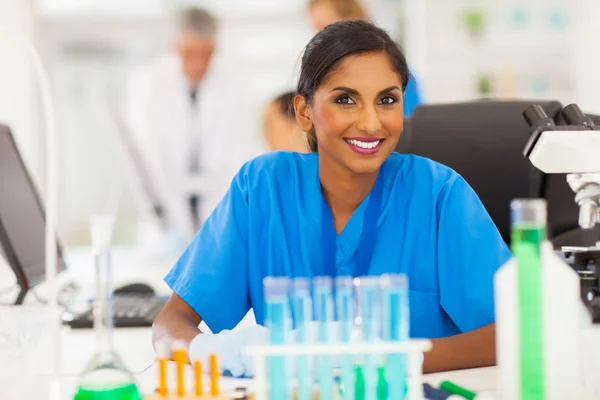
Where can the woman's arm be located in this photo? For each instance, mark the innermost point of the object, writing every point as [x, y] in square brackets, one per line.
[176, 321]
[472, 349]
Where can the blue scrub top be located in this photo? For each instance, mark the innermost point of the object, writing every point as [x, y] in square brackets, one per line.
[432, 227]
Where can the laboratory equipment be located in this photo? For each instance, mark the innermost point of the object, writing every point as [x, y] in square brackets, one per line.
[537, 325]
[278, 321]
[346, 314]
[181, 392]
[368, 291]
[586, 261]
[413, 348]
[105, 376]
[25, 352]
[396, 322]
[163, 353]
[302, 309]
[323, 293]
[22, 219]
[570, 149]
[354, 341]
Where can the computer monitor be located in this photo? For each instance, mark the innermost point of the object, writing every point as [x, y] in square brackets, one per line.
[22, 219]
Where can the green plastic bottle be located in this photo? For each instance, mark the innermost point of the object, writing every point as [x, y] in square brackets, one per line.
[537, 310]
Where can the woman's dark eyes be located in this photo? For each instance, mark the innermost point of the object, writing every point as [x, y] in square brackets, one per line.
[346, 100]
[388, 100]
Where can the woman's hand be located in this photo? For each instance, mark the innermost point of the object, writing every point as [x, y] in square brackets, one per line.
[466, 350]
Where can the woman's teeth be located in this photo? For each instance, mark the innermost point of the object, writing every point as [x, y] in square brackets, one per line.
[364, 145]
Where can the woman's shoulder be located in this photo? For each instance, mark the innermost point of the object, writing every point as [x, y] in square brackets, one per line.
[279, 166]
[275, 161]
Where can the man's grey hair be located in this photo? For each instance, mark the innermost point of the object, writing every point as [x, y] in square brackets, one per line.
[198, 21]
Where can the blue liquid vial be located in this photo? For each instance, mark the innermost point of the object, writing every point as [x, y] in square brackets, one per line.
[396, 320]
[278, 321]
[346, 314]
[302, 309]
[323, 297]
[368, 291]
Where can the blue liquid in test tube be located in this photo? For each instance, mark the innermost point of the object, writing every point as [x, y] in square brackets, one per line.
[395, 329]
[303, 310]
[369, 302]
[345, 308]
[278, 321]
[323, 298]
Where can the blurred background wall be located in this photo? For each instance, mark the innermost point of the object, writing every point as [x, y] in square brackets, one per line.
[458, 50]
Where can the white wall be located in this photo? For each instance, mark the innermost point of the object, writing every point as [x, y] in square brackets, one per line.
[587, 58]
[19, 96]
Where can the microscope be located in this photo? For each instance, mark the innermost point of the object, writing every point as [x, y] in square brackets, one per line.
[572, 149]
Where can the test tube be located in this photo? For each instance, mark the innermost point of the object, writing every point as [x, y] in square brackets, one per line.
[322, 287]
[198, 377]
[302, 310]
[369, 304]
[277, 320]
[394, 289]
[214, 374]
[163, 353]
[181, 358]
[345, 309]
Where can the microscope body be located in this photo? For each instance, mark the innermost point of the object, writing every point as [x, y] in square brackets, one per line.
[572, 149]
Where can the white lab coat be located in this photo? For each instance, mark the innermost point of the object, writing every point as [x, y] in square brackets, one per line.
[165, 125]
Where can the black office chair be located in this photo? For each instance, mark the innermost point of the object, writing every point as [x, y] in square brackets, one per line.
[484, 142]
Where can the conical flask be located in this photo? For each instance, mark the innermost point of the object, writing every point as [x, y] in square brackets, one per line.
[105, 376]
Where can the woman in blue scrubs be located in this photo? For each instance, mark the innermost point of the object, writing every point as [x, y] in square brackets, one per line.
[351, 207]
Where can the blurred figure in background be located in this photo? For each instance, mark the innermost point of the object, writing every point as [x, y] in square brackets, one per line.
[280, 128]
[191, 122]
[325, 12]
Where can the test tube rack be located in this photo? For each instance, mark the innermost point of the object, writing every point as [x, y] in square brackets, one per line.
[180, 356]
[413, 349]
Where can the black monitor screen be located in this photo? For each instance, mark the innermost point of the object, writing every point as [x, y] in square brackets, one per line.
[22, 219]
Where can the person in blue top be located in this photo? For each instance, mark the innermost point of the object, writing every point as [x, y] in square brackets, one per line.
[351, 207]
[324, 12]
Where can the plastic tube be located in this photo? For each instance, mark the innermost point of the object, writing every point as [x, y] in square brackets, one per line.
[324, 316]
[277, 320]
[369, 299]
[346, 314]
[303, 316]
[395, 328]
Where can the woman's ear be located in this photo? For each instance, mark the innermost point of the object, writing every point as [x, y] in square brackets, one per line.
[303, 117]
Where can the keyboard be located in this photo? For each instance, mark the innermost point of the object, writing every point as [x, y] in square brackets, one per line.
[129, 311]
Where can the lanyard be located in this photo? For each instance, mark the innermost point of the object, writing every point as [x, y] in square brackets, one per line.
[367, 237]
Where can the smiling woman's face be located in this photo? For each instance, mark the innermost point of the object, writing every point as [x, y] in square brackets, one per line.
[357, 112]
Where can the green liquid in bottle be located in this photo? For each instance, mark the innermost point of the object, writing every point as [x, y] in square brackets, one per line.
[107, 392]
[526, 241]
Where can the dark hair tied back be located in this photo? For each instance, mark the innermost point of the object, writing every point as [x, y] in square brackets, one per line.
[334, 43]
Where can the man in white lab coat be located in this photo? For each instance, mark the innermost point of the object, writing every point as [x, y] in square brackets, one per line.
[191, 123]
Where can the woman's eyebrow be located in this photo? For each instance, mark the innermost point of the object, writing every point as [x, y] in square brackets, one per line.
[355, 92]
[390, 89]
[344, 89]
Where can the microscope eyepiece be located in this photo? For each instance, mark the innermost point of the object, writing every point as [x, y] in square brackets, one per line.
[536, 116]
[574, 116]
[539, 122]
